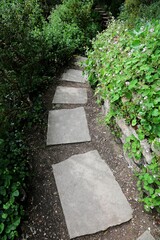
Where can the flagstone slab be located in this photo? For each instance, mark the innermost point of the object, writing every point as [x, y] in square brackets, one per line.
[67, 126]
[70, 95]
[79, 61]
[73, 75]
[146, 236]
[91, 198]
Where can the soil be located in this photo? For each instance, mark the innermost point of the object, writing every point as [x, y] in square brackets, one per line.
[45, 219]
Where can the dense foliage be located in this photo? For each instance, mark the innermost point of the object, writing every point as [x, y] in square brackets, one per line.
[124, 68]
[149, 186]
[32, 48]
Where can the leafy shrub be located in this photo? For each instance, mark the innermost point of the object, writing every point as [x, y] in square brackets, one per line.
[12, 175]
[21, 52]
[125, 70]
[72, 23]
[133, 147]
[149, 186]
[31, 48]
[133, 11]
[123, 66]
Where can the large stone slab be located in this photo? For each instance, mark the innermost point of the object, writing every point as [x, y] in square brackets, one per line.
[67, 126]
[70, 95]
[91, 198]
[73, 75]
[146, 236]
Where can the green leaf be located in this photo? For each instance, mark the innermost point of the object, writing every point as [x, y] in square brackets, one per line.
[132, 84]
[134, 122]
[141, 136]
[136, 43]
[115, 98]
[13, 226]
[7, 205]
[15, 193]
[1, 227]
[155, 113]
[4, 215]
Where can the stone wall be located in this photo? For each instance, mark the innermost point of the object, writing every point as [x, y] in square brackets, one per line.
[148, 150]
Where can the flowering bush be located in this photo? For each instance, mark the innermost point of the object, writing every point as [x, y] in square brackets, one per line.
[123, 66]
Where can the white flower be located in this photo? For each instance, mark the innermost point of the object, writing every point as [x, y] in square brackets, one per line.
[127, 83]
[151, 30]
[145, 97]
[144, 49]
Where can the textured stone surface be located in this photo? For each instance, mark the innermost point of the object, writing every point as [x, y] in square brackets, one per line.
[80, 59]
[70, 95]
[146, 236]
[106, 107]
[155, 149]
[67, 126]
[73, 75]
[91, 198]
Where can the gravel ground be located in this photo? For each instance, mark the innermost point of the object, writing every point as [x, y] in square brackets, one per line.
[45, 219]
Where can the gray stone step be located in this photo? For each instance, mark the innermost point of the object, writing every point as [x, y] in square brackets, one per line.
[91, 198]
[79, 61]
[67, 126]
[146, 236]
[73, 75]
[70, 95]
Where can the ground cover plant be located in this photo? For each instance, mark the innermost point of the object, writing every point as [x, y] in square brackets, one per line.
[32, 47]
[123, 66]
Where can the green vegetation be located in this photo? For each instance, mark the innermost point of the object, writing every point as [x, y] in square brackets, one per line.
[133, 147]
[149, 186]
[32, 49]
[123, 66]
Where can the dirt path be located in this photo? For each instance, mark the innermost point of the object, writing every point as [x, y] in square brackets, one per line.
[45, 219]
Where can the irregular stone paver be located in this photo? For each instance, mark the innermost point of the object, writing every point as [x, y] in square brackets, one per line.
[70, 95]
[79, 61]
[67, 126]
[91, 198]
[146, 236]
[73, 75]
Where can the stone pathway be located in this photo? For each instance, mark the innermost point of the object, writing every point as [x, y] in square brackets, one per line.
[91, 198]
[67, 126]
[73, 75]
[70, 95]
